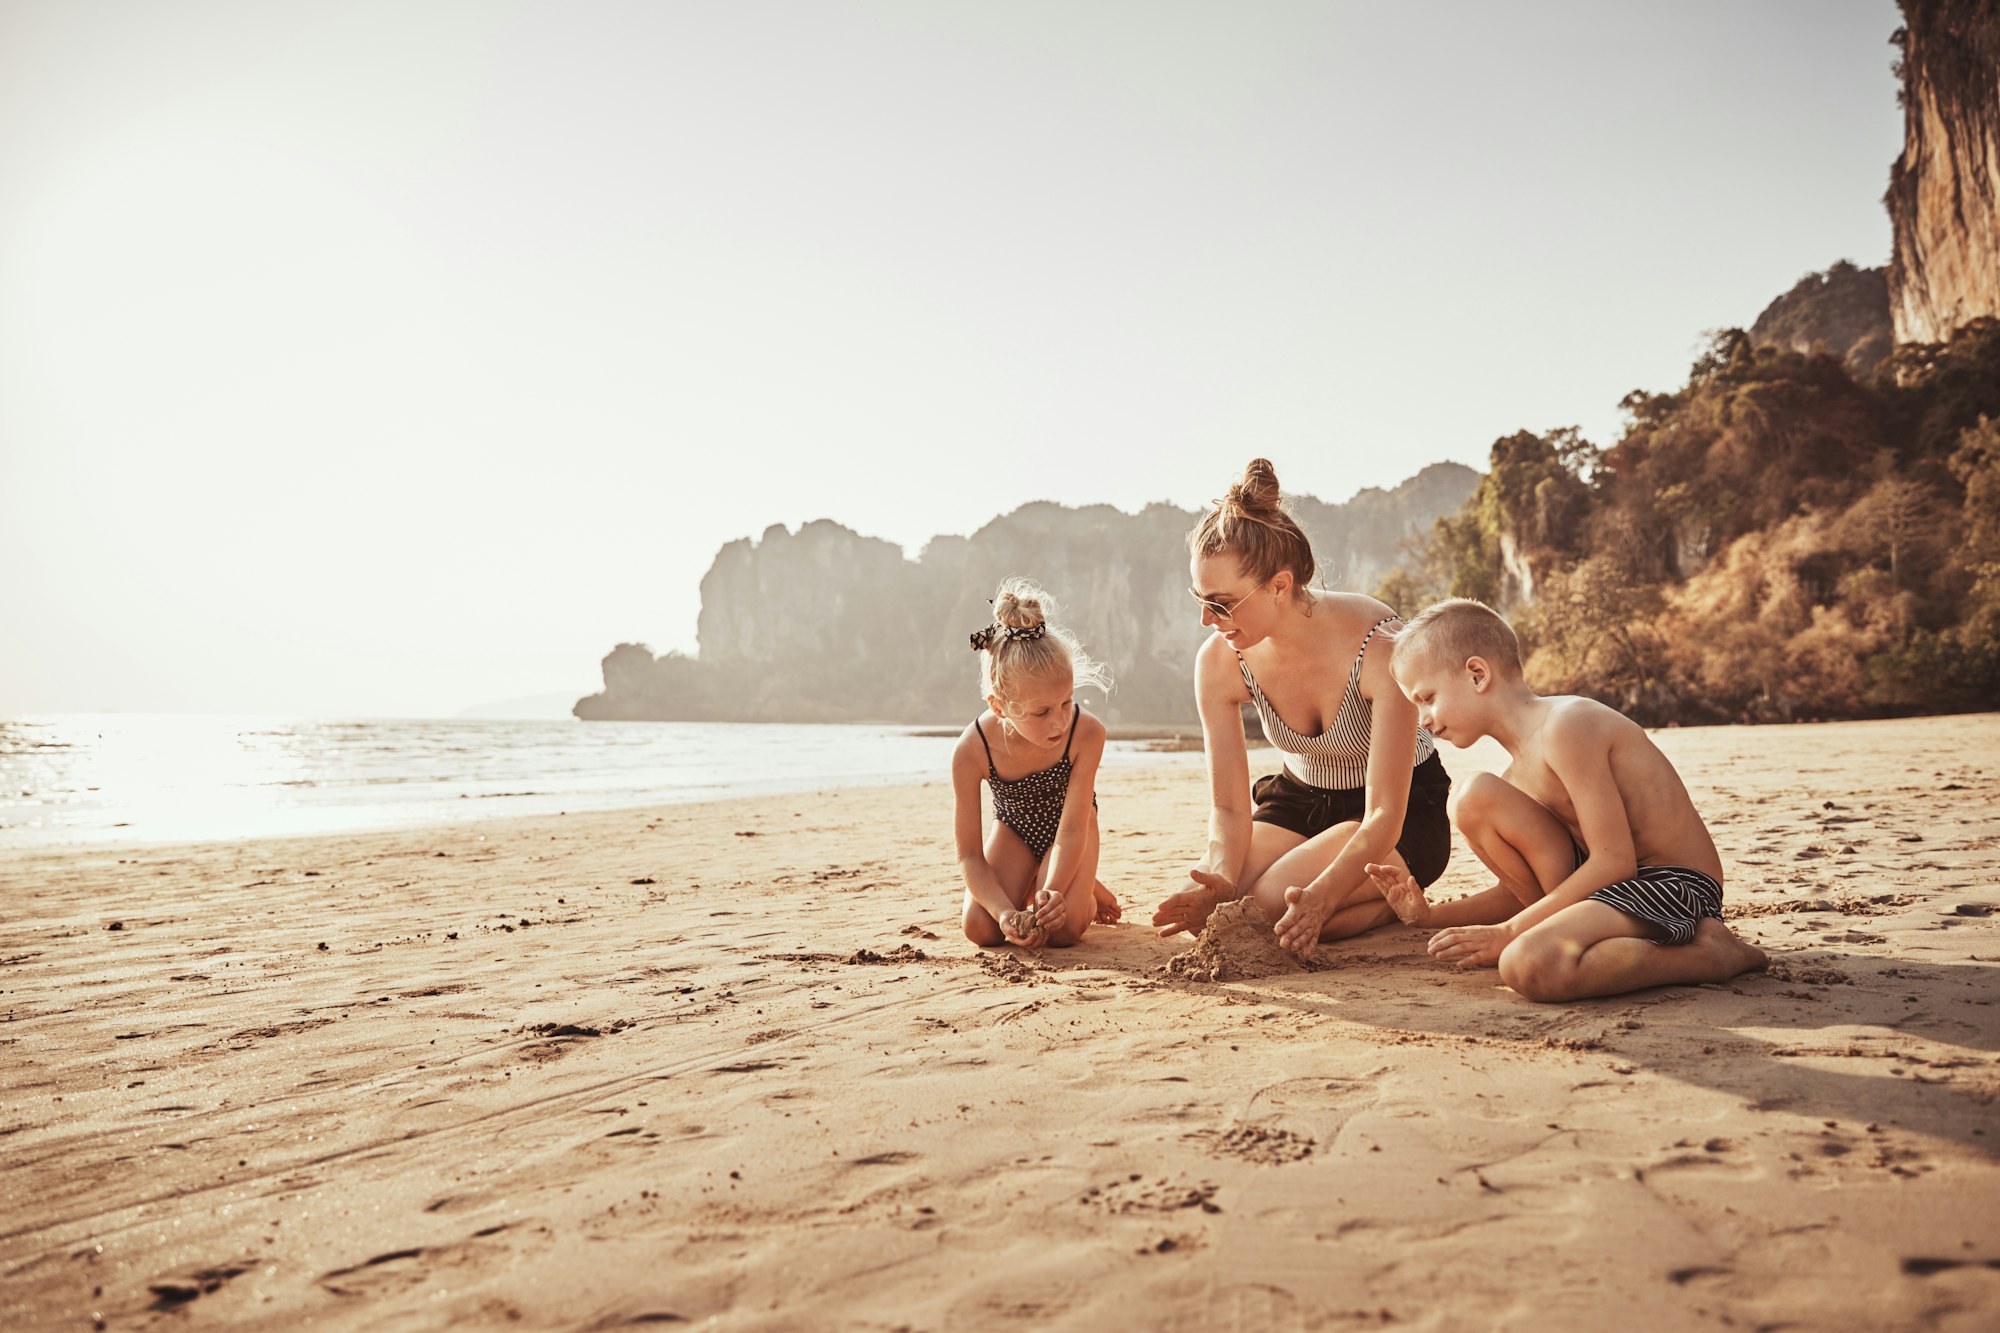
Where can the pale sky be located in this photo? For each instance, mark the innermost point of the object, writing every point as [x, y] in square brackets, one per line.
[393, 358]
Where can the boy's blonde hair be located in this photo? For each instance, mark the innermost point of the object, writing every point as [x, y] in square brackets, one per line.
[1024, 644]
[1456, 629]
[1251, 524]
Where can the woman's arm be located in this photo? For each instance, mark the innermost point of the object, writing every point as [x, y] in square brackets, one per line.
[1219, 695]
[1392, 746]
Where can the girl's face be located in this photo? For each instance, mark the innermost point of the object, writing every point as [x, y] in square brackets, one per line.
[1041, 712]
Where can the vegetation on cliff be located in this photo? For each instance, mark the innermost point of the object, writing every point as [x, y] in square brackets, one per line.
[1774, 540]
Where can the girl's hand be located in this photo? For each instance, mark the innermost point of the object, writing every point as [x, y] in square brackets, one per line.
[1190, 908]
[1049, 909]
[1021, 928]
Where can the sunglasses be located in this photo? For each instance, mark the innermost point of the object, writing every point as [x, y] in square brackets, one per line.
[1224, 610]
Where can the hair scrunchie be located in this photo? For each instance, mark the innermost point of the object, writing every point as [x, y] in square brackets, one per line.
[985, 638]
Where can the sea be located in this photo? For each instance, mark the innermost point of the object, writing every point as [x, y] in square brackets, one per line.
[73, 779]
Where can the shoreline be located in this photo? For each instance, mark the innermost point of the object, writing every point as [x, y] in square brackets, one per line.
[733, 1061]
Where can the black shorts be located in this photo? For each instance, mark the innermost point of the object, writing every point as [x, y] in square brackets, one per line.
[1308, 810]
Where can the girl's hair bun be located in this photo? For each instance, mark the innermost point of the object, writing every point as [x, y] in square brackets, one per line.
[1020, 604]
[1024, 646]
[1258, 492]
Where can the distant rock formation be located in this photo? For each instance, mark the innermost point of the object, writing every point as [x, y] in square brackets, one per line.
[1944, 192]
[826, 625]
[1843, 312]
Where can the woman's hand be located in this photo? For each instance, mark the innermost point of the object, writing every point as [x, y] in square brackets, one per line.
[1471, 946]
[1190, 908]
[1298, 929]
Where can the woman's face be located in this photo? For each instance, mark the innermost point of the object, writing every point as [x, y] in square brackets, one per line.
[1232, 603]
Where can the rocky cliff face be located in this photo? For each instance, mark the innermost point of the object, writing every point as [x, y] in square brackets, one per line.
[824, 624]
[1944, 192]
[1843, 312]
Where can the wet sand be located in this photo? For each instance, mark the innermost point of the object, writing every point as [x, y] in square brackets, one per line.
[734, 1064]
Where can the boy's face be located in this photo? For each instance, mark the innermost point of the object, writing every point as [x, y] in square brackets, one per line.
[1446, 696]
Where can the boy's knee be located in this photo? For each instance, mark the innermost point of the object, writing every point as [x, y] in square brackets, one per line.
[1537, 970]
[1480, 802]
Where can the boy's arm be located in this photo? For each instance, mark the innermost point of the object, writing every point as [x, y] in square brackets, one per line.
[1073, 832]
[980, 881]
[1219, 692]
[1578, 752]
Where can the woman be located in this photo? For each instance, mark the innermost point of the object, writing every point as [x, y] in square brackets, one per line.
[1361, 783]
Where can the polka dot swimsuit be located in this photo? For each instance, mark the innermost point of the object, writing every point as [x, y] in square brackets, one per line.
[1032, 806]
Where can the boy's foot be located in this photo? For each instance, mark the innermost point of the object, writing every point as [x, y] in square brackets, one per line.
[1732, 955]
[1108, 909]
[1403, 894]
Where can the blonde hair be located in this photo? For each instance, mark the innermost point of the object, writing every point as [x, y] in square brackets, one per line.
[1251, 523]
[1456, 629]
[1013, 653]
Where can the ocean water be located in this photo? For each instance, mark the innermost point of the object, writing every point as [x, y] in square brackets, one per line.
[73, 778]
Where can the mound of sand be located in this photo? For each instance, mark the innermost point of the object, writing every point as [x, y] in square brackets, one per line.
[1235, 945]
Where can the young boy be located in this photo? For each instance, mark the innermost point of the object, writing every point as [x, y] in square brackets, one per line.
[1608, 880]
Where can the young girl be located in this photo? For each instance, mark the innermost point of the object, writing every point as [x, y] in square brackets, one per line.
[1033, 880]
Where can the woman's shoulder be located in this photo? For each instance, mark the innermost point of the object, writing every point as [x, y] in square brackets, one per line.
[1357, 609]
[1216, 666]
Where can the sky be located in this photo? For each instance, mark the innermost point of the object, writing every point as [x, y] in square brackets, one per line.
[388, 359]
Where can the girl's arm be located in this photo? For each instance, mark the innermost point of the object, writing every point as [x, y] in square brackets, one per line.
[1392, 745]
[1219, 694]
[1073, 832]
[967, 771]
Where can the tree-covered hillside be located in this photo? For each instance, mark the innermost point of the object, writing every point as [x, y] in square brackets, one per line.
[1774, 540]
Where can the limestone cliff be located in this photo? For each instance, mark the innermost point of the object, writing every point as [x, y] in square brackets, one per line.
[824, 624]
[1944, 192]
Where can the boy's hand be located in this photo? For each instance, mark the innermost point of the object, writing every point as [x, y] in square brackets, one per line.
[1404, 896]
[1049, 909]
[1190, 908]
[1471, 946]
[1298, 929]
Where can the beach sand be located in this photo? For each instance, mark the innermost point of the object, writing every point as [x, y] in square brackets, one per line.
[733, 1065]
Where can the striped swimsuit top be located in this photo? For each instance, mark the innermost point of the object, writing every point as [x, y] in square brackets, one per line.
[1338, 756]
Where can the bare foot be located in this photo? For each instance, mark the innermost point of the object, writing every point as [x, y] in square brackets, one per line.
[1108, 909]
[1730, 953]
[1404, 895]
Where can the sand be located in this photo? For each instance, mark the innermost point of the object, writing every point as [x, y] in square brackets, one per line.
[733, 1066]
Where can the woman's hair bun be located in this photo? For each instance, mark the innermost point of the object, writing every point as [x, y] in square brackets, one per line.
[1258, 492]
[1020, 604]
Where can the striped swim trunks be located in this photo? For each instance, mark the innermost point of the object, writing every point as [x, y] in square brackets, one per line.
[1670, 899]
